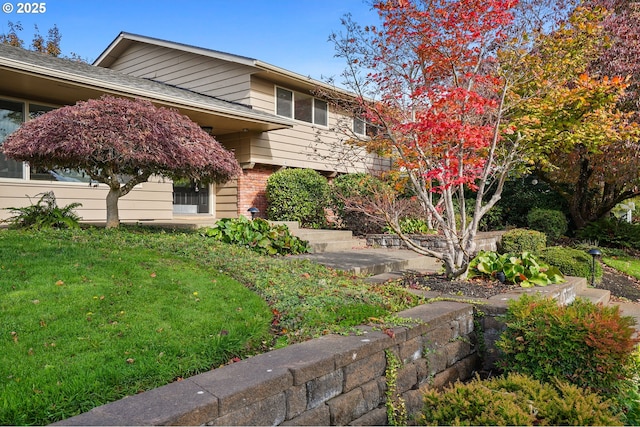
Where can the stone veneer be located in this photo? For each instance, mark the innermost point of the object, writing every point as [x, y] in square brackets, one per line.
[487, 241]
[332, 380]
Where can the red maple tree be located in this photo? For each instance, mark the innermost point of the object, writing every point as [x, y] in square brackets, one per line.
[121, 143]
[430, 80]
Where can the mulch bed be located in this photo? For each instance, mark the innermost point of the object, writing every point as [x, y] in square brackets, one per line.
[622, 287]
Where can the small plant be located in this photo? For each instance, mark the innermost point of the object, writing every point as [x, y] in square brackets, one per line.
[298, 195]
[412, 226]
[515, 400]
[612, 232]
[571, 262]
[551, 222]
[523, 240]
[588, 345]
[523, 269]
[257, 235]
[396, 406]
[45, 213]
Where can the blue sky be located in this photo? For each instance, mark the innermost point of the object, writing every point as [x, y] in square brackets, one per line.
[287, 33]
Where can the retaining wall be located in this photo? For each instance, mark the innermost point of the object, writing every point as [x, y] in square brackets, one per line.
[332, 380]
[484, 241]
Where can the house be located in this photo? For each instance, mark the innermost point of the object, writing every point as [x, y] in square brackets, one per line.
[266, 115]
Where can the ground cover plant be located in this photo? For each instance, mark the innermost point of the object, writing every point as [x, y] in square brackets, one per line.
[89, 316]
[515, 399]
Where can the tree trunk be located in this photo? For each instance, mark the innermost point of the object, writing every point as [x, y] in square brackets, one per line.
[113, 218]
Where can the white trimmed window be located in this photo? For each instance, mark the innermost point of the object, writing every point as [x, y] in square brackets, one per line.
[296, 105]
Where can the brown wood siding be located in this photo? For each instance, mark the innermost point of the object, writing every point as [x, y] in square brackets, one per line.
[304, 145]
[227, 200]
[209, 76]
[151, 200]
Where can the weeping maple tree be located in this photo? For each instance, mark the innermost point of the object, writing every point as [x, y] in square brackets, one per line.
[121, 143]
[431, 83]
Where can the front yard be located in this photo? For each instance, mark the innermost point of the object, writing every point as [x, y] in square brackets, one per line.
[90, 316]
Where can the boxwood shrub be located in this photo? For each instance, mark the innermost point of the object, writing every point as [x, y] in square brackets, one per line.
[520, 240]
[571, 262]
[551, 222]
[298, 195]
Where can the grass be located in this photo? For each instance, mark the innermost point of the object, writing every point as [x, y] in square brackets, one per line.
[89, 316]
[626, 264]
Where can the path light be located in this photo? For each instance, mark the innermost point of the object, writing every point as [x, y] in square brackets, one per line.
[253, 211]
[594, 253]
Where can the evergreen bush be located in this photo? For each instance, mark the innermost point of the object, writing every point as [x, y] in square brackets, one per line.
[298, 195]
[612, 232]
[515, 400]
[551, 222]
[521, 240]
[350, 186]
[571, 262]
[585, 344]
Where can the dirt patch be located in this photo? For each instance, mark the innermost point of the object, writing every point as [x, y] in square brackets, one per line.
[622, 286]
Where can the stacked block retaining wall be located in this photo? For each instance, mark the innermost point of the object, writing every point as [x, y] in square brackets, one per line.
[332, 380]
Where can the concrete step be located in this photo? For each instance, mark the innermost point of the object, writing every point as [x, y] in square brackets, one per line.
[596, 296]
[292, 225]
[322, 235]
[337, 245]
[373, 261]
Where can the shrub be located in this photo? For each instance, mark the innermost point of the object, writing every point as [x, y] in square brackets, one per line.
[551, 222]
[612, 232]
[45, 213]
[298, 195]
[522, 240]
[515, 400]
[588, 345]
[349, 186]
[571, 262]
[523, 269]
[411, 226]
[521, 195]
[257, 235]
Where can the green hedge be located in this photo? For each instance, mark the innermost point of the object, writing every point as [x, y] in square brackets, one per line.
[353, 186]
[551, 222]
[298, 195]
[521, 240]
[571, 262]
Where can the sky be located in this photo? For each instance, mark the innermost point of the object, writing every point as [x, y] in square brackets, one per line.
[292, 34]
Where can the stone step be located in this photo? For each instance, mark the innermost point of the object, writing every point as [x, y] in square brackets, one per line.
[322, 235]
[337, 245]
[596, 296]
[373, 261]
[292, 225]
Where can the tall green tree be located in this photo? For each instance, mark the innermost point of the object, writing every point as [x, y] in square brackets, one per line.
[581, 141]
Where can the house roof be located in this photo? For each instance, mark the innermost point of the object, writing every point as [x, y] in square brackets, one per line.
[63, 81]
[280, 75]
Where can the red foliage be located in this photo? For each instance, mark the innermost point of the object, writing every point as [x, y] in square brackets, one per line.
[130, 137]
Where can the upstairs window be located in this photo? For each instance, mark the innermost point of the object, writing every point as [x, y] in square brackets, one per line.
[296, 105]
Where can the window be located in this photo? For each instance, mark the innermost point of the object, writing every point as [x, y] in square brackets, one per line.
[11, 117]
[299, 106]
[362, 127]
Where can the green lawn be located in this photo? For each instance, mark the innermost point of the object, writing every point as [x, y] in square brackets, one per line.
[89, 316]
[627, 265]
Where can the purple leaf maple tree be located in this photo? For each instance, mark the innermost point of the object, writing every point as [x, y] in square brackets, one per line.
[121, 143]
